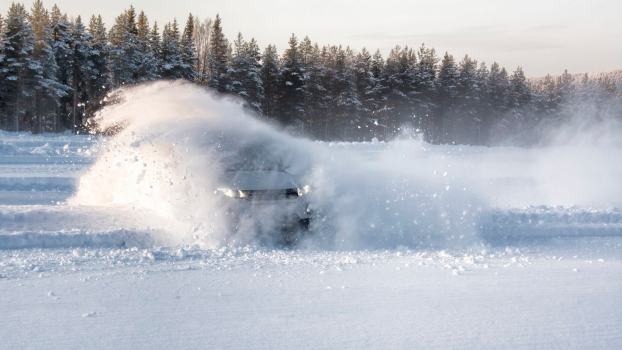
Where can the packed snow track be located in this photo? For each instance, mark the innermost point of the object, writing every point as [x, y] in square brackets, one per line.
[464, 261]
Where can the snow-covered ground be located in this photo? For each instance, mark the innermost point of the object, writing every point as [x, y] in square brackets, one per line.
[415, 246]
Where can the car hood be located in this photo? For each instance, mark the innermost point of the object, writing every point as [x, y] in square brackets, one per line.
[259, 180]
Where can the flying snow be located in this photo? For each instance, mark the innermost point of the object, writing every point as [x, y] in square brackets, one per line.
[175, 140]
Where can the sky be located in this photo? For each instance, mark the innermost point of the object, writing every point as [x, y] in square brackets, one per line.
[542, 36]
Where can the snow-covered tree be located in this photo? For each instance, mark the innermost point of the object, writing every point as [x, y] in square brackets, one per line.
[61, 45]
[347, 105]
[188, 51]
[498, 89]
[48, 90]
[400, 75]
[269, 75]
[20, 73]
[467, 122]
[80, 72]
[147, 65]
[172, 66]
[98, 79]
[244, 74]
[155, 46]
[519, 94]
[425, 88]
[126, 56]
[218, 58]
[291, 85]
[447, 88]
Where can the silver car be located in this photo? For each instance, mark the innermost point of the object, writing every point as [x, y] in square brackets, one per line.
[268, 202]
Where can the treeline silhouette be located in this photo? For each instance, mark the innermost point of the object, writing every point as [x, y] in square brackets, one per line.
[55, 74]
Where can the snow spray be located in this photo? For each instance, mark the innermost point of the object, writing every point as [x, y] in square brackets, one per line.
[175, 140]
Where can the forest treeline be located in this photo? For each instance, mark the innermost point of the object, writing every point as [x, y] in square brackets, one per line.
[56, 71]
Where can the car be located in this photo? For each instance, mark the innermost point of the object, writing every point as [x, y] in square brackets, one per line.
[268, 202]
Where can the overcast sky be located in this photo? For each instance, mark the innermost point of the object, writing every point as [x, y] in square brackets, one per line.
[543, 36]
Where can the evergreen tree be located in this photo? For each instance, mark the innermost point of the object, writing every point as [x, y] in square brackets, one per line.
[378, 95]
[364, 85]
[269, 75]
[48, 91]
[447, 82]
[219, 59]
[61, 45]
[519, 98]
[347, 104]
[497, 93]
[170, 53]
[155, 46]
[425, 88]
[316, 100]
[81, 71]
[400, 75]
[549, 96]
[519, 94]
[147, 63]
[20, 74]
[98, 80]
[291, 85]
[466, 120]
[245, 74]
[483, 108]
[188, 51]
[126, 57]
[565, 86]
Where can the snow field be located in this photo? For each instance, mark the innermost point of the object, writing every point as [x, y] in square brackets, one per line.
[116, 243]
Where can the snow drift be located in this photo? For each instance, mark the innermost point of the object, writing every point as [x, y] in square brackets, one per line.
[177, 139]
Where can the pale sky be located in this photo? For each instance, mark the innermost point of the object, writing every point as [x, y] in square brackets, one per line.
[543, 36]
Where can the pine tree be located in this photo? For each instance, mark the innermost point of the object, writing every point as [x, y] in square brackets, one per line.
[378, 95]
[291, 85]
[147, 63]
[483, 108]
[126, 57]
[269, 74]
[549, 98]
[99, 79]
[565, 86]
[447, 82]
[347, 104]
[364, 84]
[401, 78]
[467, 122]
[81, 71]
[316, 102]
[20, 74]
[170, 53]
[498, 85]
[425, 89]
[519, 94]
[155, 46]
[48, 91]
[61, 45]
[244, 73]
[519, 98]
[219, 59]
[188, 51]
